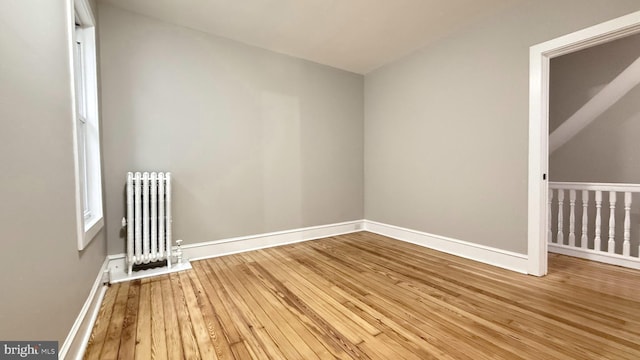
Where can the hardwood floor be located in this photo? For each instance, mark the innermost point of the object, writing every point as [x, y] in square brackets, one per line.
[364, 296]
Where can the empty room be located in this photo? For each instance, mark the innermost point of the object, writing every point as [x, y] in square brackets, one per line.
[320, 179]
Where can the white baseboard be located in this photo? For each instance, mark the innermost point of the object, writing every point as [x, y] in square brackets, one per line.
[600, 256]
[485, 254]
[205, 250]
[236, 245]
[75, 344]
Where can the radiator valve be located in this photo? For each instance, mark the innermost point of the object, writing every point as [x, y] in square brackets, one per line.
[179, 251]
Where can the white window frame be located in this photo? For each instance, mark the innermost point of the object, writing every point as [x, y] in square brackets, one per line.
[86, 129]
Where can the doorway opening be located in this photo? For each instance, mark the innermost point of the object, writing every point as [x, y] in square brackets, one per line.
[539, 65]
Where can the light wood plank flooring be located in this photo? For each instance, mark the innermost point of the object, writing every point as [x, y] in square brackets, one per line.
[364, 296]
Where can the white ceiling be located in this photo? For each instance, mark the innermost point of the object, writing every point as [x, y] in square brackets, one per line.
[354, 35]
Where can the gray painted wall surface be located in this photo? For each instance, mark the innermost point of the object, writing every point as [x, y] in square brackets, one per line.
[45, 280]
[608, 150]
[446, 128]
[575, 78]
[256, 141]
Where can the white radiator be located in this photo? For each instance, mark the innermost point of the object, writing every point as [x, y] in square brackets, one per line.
[148, 218]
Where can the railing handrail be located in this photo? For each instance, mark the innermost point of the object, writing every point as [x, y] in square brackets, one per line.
[634, 188]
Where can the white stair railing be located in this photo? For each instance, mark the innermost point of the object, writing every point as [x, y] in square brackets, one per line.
[593, 209]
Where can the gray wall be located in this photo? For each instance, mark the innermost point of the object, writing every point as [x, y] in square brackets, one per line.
[45, 280]
[608, 150]
[446, 128]
[575, 78]
[256, 141]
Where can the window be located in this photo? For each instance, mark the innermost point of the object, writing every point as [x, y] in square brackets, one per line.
[86, 124]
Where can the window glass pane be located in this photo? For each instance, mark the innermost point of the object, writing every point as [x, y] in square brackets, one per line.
[83, 168]
[80, 78]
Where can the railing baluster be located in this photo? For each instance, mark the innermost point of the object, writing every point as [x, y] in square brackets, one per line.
[550, 235]
[616, 245]
[596, 242]
[626, 246]
[560, 239]
[584, 239]
[572, 218]
[611, 246]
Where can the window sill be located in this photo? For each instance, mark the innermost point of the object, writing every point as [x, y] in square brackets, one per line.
[92, 226]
